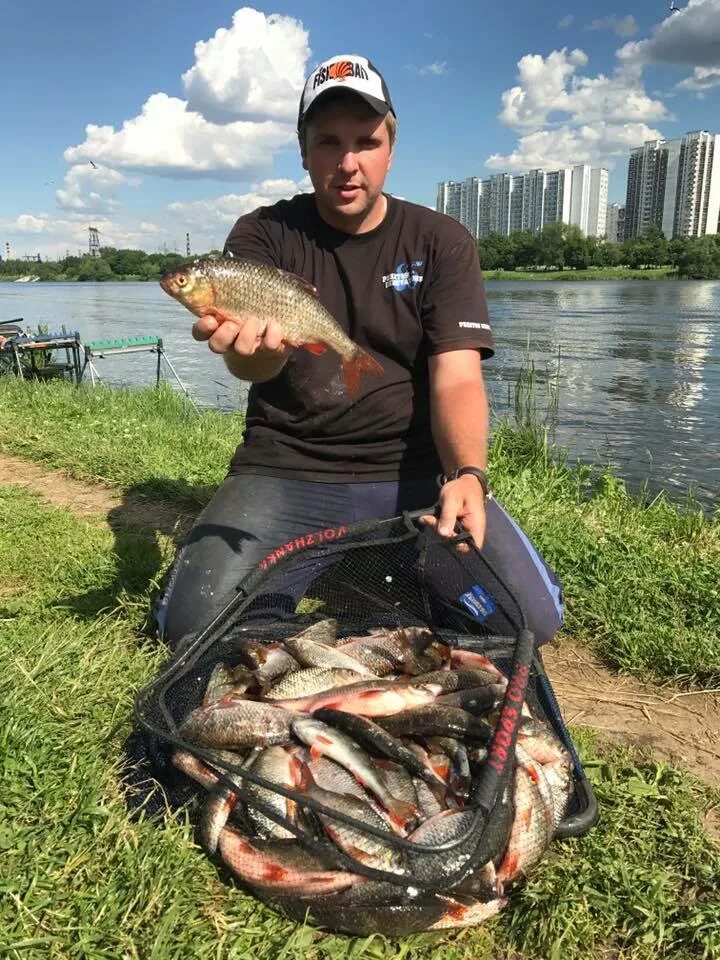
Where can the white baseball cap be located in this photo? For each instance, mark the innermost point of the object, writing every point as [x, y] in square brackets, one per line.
[346, 72]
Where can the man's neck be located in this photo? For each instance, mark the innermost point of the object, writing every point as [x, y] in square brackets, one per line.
[364, 223]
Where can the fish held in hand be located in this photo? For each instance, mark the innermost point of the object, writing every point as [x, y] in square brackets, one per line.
[224, 287]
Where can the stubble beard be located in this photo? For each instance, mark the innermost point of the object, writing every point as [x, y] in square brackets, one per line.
[348, 220]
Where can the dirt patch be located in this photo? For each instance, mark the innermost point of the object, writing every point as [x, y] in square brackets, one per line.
[97, 501]
[679, 727]
[682, 728]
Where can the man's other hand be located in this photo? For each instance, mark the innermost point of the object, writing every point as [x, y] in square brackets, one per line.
[460, 501]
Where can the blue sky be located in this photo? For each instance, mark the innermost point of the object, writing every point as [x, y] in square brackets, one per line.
[187, 110]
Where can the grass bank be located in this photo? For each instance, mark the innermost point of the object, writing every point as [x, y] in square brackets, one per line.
[592, 273]
[82, 880]
[640, 578]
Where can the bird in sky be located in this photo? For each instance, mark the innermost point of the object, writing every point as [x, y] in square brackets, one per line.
[93, 165]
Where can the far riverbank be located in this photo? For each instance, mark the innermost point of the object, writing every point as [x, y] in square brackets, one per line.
[592, 273]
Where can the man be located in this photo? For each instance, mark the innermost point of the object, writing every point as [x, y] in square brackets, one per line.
[405, 284]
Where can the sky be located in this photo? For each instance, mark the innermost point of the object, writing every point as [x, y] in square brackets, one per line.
[188, 110]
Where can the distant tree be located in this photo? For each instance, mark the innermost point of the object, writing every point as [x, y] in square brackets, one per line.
[551, 245]
[576, 252]
[606, 254]
[700, 259]
[496, 252]
[523, 248]
[94, 268]
[648, 250]
[127, 262]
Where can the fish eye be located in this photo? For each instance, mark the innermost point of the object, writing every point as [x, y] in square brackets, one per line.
[181, 279]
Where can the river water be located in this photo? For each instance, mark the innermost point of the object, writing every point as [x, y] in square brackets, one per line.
[636, 363]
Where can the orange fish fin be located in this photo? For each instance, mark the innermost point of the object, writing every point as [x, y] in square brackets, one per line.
[315, 348]
[353, 369]
[220, 315]
[300, 281]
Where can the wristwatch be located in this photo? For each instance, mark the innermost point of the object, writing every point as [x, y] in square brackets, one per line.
[460, 472]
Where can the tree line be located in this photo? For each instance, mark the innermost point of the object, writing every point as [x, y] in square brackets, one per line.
[112, 264]
[562, 247]
[557, 247]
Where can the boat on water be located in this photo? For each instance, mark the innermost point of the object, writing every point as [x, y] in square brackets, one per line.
[29, 278]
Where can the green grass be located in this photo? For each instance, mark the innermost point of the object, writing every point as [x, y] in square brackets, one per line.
[592, 273]
[80, 879]
[151, 440]
[640, 578]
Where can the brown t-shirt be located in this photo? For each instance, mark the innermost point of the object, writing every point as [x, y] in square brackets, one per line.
[410, 288]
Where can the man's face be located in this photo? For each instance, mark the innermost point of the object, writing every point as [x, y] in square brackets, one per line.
[348, 155]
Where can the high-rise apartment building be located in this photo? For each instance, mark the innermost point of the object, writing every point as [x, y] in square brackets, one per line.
[507, 204]
[615, 226]
[675, 185]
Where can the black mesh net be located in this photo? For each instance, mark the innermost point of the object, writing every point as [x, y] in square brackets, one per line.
[298, 846]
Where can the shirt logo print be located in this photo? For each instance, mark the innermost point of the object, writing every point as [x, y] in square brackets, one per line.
[405, 276]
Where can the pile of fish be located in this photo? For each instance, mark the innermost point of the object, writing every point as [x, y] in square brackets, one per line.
[389, 730]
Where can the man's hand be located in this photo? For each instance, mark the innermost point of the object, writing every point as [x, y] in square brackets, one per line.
[460, 501]
[239, 334]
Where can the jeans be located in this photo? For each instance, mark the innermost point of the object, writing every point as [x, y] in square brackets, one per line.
[251, 514]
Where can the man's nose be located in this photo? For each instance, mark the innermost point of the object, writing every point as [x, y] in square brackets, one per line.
[348, 162]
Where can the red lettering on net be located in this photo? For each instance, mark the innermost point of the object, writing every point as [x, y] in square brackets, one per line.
[309, 540]
[508, 719]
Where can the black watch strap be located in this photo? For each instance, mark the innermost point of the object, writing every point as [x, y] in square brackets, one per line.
[461, 471]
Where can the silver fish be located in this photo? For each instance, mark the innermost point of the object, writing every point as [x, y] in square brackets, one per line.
[306, 683]
[326, 741]
[282, 867]
[276, 765]
[237, 723]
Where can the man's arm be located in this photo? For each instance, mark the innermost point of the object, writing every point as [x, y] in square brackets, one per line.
[460, 427]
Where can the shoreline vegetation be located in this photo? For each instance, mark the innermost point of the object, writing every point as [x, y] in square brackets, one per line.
[640, 579]
[558, 252]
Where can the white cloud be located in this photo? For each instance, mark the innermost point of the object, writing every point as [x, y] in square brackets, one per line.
[168, 139]
[435, 69]
[90, 189]
[622, 26]
[566, 21]
[227, 208]
[703, 78]
[27, 223]
[595, 143]
[255, 68]
[243, 92]
[548, 85]
[690, 37]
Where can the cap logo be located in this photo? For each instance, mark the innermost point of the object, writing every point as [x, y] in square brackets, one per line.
[340, 70]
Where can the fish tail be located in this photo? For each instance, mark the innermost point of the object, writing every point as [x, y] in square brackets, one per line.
[401, 813]
[360, 362]
[304, 780]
